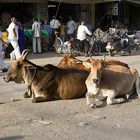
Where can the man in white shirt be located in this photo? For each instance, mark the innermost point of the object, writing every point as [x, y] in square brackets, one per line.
[13, 39]
[71, 27]
[55, 26]
[36, 30]
[81, 35]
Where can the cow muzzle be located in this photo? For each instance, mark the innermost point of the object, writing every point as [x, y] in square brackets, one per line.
[6, 79]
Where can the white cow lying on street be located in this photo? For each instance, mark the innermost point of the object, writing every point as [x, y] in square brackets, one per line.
[110, 81]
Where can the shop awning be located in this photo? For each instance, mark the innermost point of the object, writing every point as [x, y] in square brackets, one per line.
[83, 1]
[134, 1]
[23, 1]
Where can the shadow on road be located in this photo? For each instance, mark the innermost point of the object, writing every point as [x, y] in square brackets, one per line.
[44, 55]
[12, 138]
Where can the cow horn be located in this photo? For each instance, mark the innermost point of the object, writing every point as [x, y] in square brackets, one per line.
[104, 57]
[70, 54]
[78, 61]
[91, 58]
[24, 53]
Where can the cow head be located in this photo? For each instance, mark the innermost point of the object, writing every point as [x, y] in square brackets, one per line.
[14, 72]
[96, 67]
[70, 61]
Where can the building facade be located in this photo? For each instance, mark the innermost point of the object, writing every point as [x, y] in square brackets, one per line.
[96, 12]
[24, 10]
[125, 11]
[102, 12]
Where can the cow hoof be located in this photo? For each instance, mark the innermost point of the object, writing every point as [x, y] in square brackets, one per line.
[39, 99]
[34, 101]
[92, 105]
[26, 95]
[122, 100]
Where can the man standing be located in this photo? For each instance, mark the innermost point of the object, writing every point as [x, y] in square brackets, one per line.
[81, 35]
[55, 26]
[71, 27]
[36, 30]
[21, 36]
[13, 39]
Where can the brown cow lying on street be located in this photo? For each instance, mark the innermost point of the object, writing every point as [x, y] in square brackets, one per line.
[48, 82]
[70, 61]
[111, 81]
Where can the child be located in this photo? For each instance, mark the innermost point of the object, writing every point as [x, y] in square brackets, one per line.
[62, 32]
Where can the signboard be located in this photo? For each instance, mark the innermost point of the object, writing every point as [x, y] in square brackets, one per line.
[112, 9]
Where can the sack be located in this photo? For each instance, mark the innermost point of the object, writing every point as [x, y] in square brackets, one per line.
[9, 48]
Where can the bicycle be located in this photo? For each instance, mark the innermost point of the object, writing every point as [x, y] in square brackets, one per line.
[58, 43]
[96, 45]
[60, 46]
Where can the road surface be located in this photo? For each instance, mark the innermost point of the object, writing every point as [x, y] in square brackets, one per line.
[66, 119]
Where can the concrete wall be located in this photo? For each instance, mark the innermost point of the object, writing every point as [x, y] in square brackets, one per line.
[41, 10]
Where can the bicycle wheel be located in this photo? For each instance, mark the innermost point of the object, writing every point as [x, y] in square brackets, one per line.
[58, 45]
[96, 49]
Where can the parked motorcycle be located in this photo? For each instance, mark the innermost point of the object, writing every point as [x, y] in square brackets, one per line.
[120, 45]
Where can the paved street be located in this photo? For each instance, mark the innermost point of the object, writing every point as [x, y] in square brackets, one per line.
[66, 119]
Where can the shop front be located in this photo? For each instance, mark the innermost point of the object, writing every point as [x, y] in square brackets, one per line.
[126, 12]
[24, 11]
[130, 13]
[79, 9]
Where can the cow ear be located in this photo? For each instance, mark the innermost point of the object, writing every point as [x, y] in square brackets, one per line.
[87, 64]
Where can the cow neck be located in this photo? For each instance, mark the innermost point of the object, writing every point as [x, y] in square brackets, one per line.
[35, 71]
[32, 63]
[37, 66]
